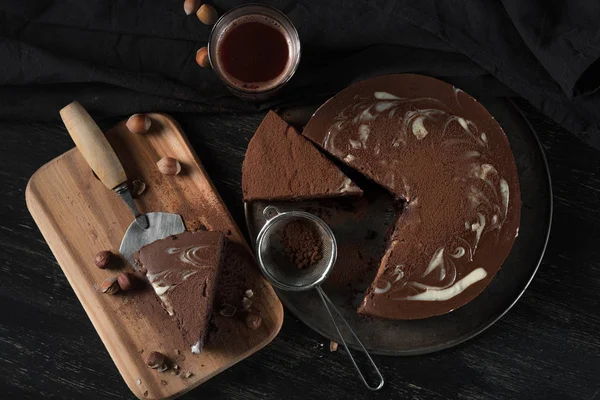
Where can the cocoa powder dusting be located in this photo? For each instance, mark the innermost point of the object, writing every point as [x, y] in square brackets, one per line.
[301, 243]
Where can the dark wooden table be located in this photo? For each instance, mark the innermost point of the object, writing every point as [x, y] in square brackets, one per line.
[546, 347]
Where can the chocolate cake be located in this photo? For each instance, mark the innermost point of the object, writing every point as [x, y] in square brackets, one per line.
[183, 271]
[446, 159]
[282, 165]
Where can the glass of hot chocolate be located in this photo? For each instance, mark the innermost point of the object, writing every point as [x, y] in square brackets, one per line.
[255, 50]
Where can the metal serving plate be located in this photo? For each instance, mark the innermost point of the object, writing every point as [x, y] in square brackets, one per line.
[366, 231]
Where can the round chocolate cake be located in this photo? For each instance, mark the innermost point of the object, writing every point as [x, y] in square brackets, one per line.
[446, 159]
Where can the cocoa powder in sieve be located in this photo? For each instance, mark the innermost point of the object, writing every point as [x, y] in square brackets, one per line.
[301, 243]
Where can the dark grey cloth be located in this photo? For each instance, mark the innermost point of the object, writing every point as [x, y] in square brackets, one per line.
[121, 57]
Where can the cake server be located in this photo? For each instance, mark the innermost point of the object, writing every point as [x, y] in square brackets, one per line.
[283, 274]
[103, 160]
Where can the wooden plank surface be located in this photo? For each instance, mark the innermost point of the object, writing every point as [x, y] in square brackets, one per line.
[78, 217]
[546, 347]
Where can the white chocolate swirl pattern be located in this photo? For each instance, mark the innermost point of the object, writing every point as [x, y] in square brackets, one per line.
[486, 193]
[167, 279]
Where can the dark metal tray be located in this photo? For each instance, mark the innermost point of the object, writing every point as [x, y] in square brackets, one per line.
[361, 228]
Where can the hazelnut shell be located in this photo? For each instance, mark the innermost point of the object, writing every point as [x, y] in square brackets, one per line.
[103, 259]
[110, 285]
[168, 166]
[139, 123]
[202, 57]
[207, 14]
[190, 6]
[156, 360]
[126, 281]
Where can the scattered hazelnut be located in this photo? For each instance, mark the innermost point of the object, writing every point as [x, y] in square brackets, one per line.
[110, 285]
[126, 281]
[202, 57]
[190, 6]
[169, 166]
[137, 187]
[246, 303]
[157, 361]
[253, 321]
[139, 382]
[227, 310]
[138, 123]
[103, 259]
[249, 293]
[207, 14]
[187, 375]
[333, 346]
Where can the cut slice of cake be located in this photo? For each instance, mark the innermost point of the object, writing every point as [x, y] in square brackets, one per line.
[280, 164]
[183, 270]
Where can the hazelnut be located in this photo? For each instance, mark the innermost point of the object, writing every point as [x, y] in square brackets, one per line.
[138, 123]
[333, 346]
[157, 361]
[187, 375]
[207, 14]
[190, 6]
[110, 285]
[169, 166]
[253, 321]
[126, 281]
[249, 293]
[103, 259]
[227, 310]
[137, 187]
[202, 57]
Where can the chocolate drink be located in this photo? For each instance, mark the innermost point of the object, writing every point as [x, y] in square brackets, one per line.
[254, 52]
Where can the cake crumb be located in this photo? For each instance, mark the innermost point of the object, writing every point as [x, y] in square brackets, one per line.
[333, 346]
[163, 382]
[246, 302]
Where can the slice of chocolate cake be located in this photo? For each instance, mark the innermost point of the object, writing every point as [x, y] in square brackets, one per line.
[183, 271]
[446, 158]
[282, 165]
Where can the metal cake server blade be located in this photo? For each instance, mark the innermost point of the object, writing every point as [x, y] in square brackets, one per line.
[161, 225]
[103, 160]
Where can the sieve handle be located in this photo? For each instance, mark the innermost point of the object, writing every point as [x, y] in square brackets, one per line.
[270, 212]
[330, 306]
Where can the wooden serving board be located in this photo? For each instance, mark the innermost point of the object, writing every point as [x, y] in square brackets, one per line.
[79, 216]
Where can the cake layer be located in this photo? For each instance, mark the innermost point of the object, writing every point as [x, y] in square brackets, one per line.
[183, 270]
[282, 165]
[440, 151]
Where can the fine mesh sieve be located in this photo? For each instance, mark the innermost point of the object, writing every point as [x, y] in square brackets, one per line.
[285, 274]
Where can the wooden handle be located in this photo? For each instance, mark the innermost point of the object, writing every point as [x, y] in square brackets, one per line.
[93, 145]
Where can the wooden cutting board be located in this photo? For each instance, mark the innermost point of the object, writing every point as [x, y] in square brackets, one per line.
[78, 217]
